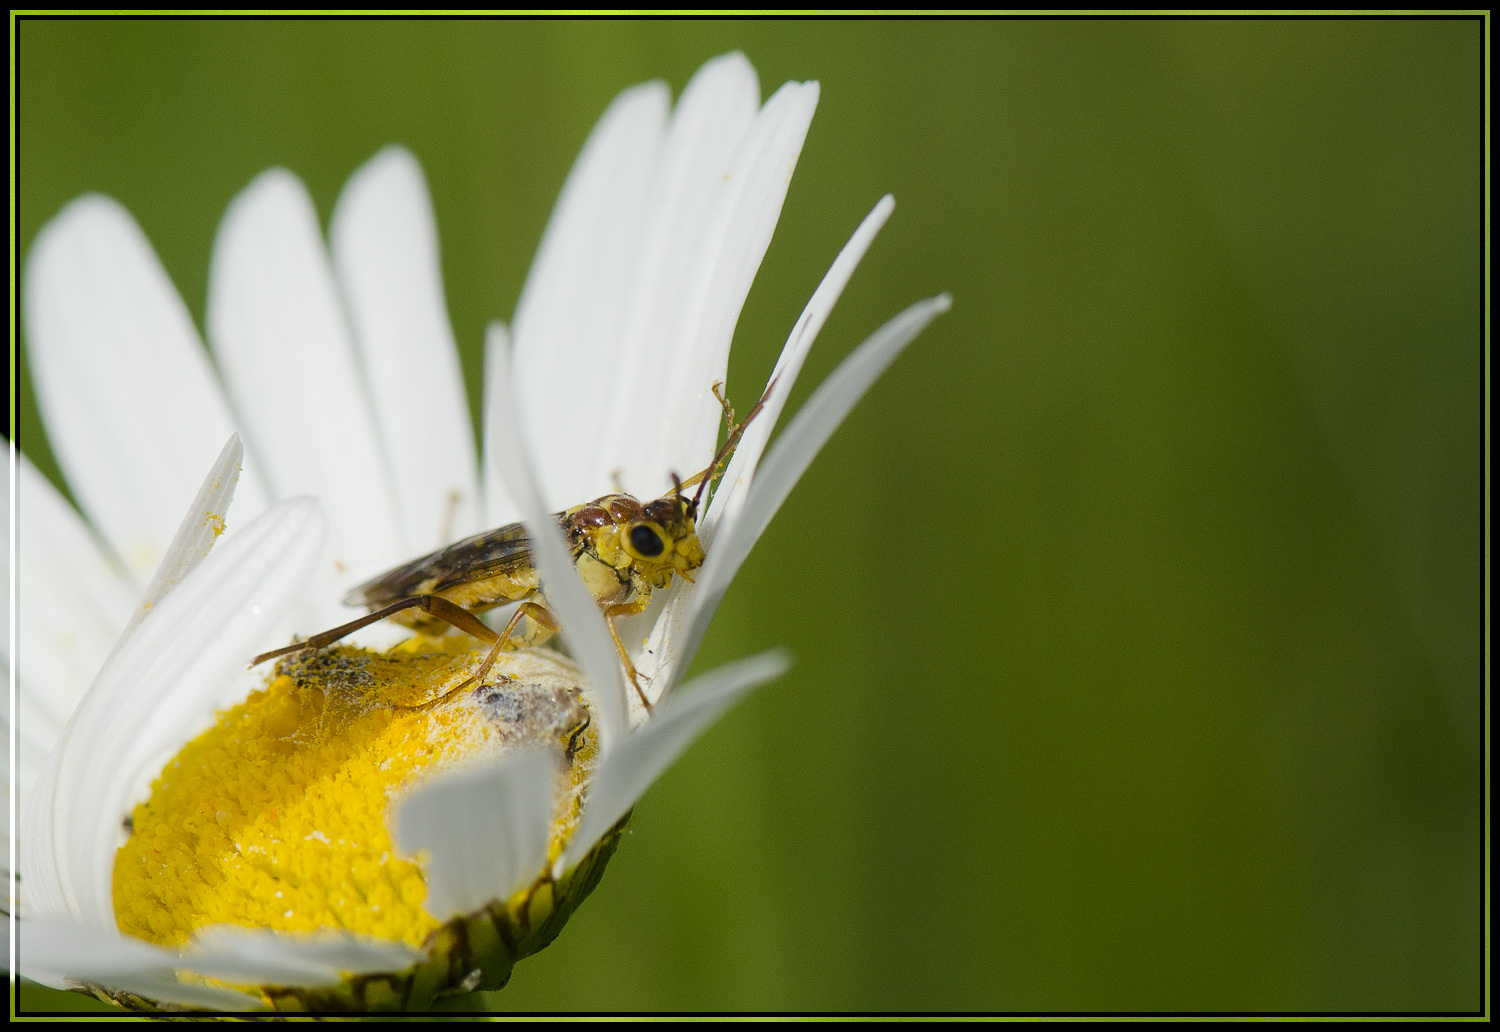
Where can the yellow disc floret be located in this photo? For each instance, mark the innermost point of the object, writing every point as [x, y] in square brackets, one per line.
[276, 816]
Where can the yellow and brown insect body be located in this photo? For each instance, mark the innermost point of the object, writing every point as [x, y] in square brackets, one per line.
[481, 572]
[623, 549]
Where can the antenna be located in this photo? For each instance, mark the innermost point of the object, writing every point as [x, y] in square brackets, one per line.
[735, 431]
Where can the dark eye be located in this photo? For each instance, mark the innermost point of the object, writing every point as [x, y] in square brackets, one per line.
[646, 541]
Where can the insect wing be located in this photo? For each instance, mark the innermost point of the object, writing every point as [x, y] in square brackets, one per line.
[502, 550]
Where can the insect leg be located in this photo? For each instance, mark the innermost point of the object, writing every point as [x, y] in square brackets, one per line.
[576, 735]
[628, 609]
[536, 612]
[531, 609]
[433, 604]
[544, 617]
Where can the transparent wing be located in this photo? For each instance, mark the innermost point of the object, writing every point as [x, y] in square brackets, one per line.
[502, 550]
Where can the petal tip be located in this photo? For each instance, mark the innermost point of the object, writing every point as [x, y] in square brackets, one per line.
[90, 206]
[732, 63]
[393, 154]
[274, 186]
[652, 94]
[83, 220]
[386, 168]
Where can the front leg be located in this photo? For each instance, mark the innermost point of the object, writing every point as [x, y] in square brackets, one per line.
[629, 609]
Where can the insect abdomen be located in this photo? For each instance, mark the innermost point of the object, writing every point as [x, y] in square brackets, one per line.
[488, 592]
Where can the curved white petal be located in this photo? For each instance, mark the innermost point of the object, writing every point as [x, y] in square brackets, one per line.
[567, 323]
[741, 470]
[675, 724]
[21, 750]
[793, 452]
[500, 508]
[485, 831]
[566, 594]
[333, 950]
[6, 608]
[657, 656]
[277, 329]
[55, 952]
[36, 733]
[685, 216]
[56, 678]
[132, 407]
[199, 529]
[75, 949]
[43, 713]
[254, 957]
[158, 690]
[76, 602]
[385, 251]
[750, 207]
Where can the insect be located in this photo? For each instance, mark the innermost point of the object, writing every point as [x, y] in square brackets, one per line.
[623, 548]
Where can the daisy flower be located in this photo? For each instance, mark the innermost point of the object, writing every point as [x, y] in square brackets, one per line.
[374, 829]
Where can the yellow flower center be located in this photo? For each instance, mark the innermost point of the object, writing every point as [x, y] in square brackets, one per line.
[276, 817]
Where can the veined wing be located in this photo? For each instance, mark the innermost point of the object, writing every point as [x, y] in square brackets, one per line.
[489, 552]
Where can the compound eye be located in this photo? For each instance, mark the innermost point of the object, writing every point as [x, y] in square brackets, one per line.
[646, 541]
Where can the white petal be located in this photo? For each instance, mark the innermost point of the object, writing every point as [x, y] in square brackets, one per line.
[627, 772]
[385, 250]
[485, 831]
[337, 951]
[34, 726]
[566, 594]
[684, 214]
[158, 690]
[35, 735]
[277, 329]
[6, 609]
[199, 529]
[254, 957]
[52, 952]
[568, 321]
[76, 601]
[657, 658]
[133, 409]
[500, 508]
[163, 987]
[62, 946]
[760, 178]
[733, 488]
[25, 758]
[794, 451]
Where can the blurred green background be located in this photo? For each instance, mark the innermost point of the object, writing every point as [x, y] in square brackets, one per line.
[1137, 611]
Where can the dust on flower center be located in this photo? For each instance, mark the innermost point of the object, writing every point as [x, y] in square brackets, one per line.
[276, 816]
